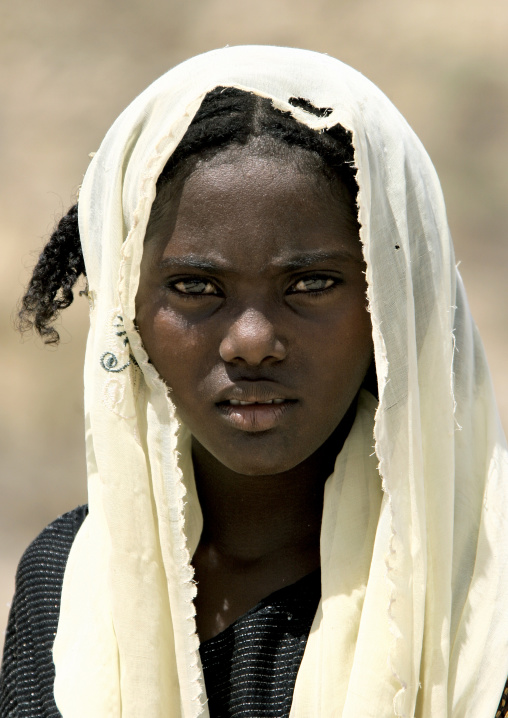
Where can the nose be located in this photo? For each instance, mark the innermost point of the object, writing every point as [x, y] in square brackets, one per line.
[252, 338]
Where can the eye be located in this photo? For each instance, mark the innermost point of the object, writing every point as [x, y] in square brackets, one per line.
[312, 284]
[194, 286]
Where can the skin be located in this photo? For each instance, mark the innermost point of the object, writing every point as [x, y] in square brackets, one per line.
[252, 288]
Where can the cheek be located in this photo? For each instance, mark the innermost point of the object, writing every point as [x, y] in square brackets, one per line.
[180, 351]
[343, 349]
[164, 338]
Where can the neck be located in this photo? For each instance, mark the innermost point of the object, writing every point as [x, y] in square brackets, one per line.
[250, 519]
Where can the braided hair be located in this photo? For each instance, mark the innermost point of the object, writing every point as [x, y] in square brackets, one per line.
[57, 270]
[226, 116]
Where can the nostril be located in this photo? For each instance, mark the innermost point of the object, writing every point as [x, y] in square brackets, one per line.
[252, 355]
[252, 340]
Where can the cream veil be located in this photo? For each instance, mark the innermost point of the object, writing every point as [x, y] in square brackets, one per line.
[414, 612]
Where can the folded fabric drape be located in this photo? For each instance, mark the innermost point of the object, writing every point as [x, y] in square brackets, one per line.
[413, 618]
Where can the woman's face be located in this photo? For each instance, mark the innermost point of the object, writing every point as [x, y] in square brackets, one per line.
[252, 307]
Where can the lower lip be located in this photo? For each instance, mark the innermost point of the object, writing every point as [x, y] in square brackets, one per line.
[255, 417]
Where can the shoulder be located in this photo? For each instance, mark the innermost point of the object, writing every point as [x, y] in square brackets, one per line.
[41, 570]
[26, 679]
[51, 547]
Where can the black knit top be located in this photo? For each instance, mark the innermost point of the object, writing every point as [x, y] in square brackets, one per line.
[28, 673]
[250, 668]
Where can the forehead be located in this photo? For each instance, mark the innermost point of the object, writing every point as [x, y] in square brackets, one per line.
[243, 202]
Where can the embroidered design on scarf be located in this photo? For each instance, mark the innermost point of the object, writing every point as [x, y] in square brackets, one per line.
[115, 362]
[108, 360]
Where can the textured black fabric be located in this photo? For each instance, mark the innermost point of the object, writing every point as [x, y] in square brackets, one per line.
[250, 668]
[28, 674]
[258, 655]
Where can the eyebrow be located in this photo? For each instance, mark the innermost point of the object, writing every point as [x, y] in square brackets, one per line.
[307, 259]
[190, 260]
[298, 261]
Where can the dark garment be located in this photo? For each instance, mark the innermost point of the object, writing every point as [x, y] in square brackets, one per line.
[28, 673]
[250, 668]
[256, 658]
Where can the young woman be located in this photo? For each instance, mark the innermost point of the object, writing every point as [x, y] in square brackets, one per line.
[297, 476]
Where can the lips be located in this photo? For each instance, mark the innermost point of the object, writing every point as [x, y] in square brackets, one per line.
[254, 406]
[237, 402]
[253, 416]
[259, 391]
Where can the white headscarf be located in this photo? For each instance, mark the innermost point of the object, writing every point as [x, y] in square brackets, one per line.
[414, 547]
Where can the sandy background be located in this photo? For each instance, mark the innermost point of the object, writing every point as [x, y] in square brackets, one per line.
[67, 70]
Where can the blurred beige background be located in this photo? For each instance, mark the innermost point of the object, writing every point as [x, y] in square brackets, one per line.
[68, 69]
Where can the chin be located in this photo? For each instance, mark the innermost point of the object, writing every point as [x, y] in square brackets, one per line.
[260, 465]
[260, 470]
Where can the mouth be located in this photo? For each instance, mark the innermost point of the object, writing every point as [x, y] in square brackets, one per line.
[238, 402]
[255, 416]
